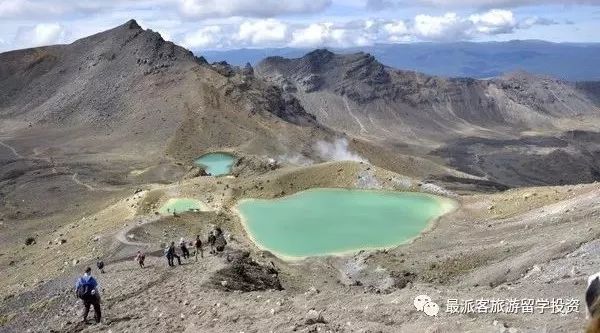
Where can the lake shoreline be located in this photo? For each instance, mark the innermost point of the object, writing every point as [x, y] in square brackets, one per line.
[445, 206]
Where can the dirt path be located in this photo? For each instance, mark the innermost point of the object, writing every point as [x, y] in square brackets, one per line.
[362, 127]
[121, 236]
[12, 149]
[74, 175]
[79, 182]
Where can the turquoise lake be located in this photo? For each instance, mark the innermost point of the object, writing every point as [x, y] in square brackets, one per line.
[181, 205]
[217, 164]
[320, 222]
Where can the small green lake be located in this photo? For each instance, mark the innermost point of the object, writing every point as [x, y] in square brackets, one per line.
[325, 221]
[181, 205]
[217, 164]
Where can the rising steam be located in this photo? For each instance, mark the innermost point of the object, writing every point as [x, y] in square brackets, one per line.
[295, 158]
[337, 151]
[322, 151]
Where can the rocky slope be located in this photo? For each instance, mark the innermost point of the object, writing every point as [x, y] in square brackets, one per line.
[358, 95]
[133, 86]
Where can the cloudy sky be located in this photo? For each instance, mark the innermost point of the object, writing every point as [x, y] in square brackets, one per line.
[230, 24]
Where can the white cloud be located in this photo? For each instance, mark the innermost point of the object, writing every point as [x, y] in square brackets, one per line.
[447, 27]
[534, 20]
[17, 8]
[396, 28]
[250, 26]
[319, 34]
[276, 33]
[451, 26]
[262, 32]
[31, 9]
[379, 5]
[396, 31]
[494, 21]
[10, 8]
[40, 34]
[204, 37]
[249, 8]
[47, 33]
[314, 34]
[336, 35]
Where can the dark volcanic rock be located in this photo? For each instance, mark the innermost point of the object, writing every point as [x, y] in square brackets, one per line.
[403, 278]
[248, 70]
[571, 158]
[223, 68]
[245, 274]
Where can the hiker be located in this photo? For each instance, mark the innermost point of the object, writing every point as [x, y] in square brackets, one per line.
[185, 253]
[171, 254]
[220, 242]
[198, 246]
[86, 289]
[100, 265]
[140, 257]
[211, 241]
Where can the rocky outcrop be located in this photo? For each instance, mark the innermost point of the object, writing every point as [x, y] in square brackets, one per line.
[516, 100]
[244, 274]
[356, 94]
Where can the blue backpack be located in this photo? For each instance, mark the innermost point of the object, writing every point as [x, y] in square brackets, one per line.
[85, 290]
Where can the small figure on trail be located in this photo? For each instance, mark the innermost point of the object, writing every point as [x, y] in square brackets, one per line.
[86, 289]
[100, 265]
[218, 231]
[171, 254]
[185, 253]
[211, 241]
[140, 258]
[220, 241]
[198, 246]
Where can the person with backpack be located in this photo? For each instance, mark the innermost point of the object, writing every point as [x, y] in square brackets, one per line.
[172, 254]
[140, 258]
[100, 265]
[211, 241]
[86, 289]
[220, 242]
[185, 253]
[198, 246]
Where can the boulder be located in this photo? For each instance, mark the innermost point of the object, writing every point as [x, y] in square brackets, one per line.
[244, 274]
[314, 317]
[29, 241]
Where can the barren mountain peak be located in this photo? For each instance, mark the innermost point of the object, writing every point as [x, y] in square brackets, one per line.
[132, 24]
[320, 53]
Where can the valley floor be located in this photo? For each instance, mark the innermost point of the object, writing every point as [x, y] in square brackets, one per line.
[530, 243]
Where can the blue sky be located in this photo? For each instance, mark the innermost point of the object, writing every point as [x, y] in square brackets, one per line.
[227, 24]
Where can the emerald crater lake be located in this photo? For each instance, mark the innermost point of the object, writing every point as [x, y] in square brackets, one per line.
[217, 164]
[180, 205]
[327, 221]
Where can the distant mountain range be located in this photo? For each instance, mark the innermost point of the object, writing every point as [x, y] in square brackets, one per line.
[568, 61]
[129, 94]
[516, 129]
